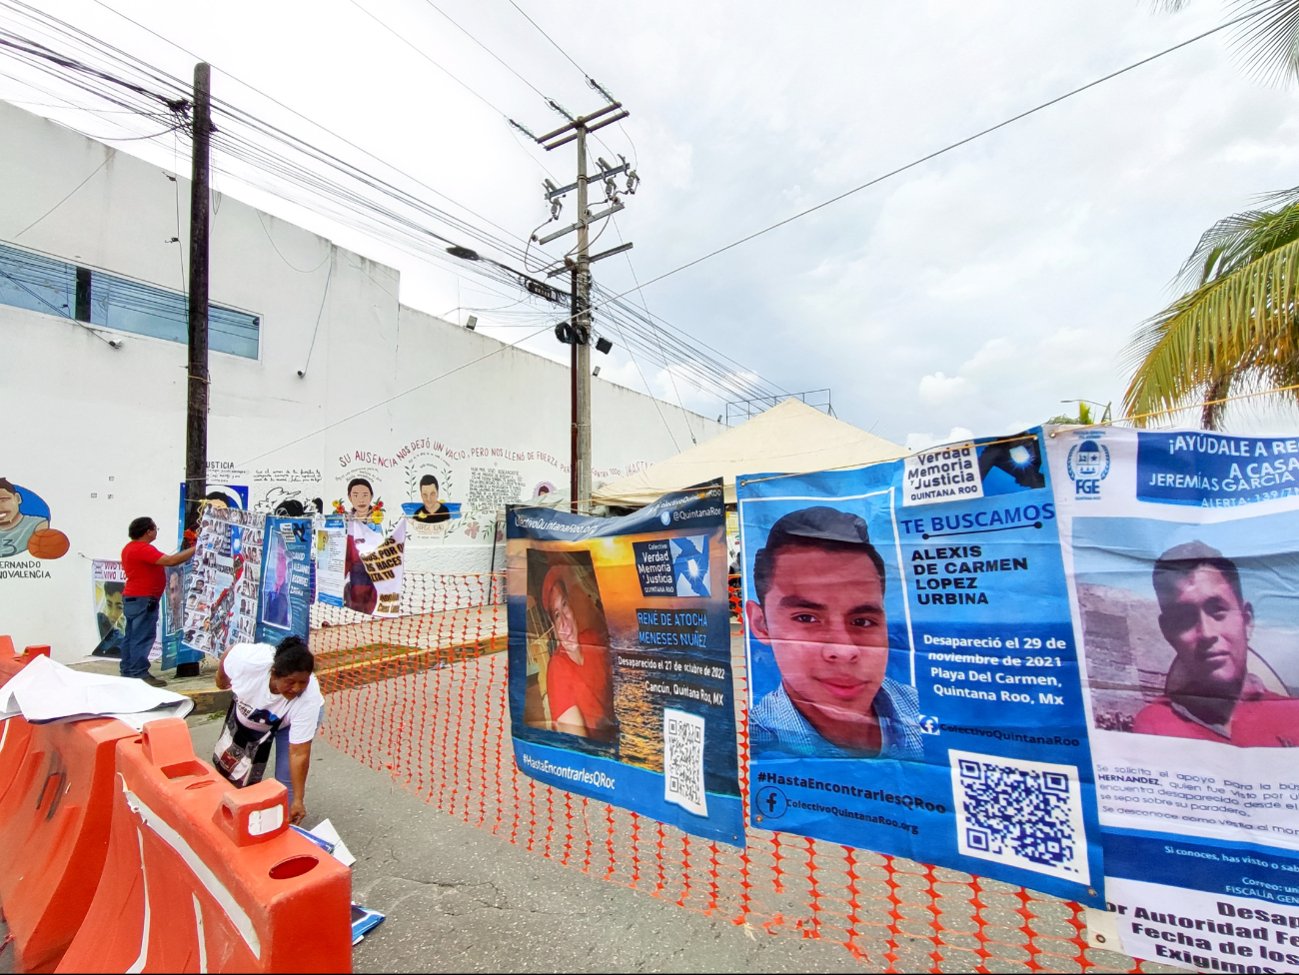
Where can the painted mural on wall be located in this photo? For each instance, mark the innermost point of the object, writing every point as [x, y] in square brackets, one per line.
[25, 533]
[475, 482]
[226, 487]
[288, 491]
[409, 487]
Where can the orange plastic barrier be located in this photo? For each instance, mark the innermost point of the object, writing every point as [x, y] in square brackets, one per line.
[203, 877]
[11, 661]
[54, 818]
[14, 733]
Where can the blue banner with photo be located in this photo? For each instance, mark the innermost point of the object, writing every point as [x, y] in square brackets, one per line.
[286, 583]
[331, 560]
[620, 658]
[172, 619]
[1183, 551]
[913, 678]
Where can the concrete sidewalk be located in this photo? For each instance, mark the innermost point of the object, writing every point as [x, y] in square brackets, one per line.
[459, 899]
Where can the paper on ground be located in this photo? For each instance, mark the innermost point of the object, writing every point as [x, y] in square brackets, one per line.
[325, 830]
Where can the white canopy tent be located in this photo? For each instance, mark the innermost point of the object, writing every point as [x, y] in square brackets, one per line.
[791, 438]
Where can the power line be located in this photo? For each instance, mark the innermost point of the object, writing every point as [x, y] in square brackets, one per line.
[640, 296]
[411, 233]
[309, 121]
[99, 90]
[938, 152]
[446, 71]
[250, 152]
[589, 80]
[549, 38]
[640, 287]
[390, 399]
[67, 196]
[508, 67]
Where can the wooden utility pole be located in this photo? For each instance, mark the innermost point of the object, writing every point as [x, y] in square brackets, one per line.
[197, 398]
[582, 336]
[575, 438]
[197, 401]
[579, 330]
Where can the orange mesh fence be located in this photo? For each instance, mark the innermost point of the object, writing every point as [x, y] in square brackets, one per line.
[424, 697]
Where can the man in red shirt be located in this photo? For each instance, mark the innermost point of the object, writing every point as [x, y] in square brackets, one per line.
[146, 579]
[1209, 693]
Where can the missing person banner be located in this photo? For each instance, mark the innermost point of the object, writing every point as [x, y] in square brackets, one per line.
[172, 618]
[108, 580]
[284, 605]
[620, 658]
[221, 595]
[914, 686]
[331, 559]
[1183, 553]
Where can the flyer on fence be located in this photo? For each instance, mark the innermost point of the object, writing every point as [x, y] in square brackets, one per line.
[1183, 554]
[620, 658]
[914, 687]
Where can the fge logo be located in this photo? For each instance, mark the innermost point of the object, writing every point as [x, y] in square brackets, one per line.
[1088, 464]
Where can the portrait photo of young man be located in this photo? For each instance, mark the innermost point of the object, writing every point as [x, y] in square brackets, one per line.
[820, 585]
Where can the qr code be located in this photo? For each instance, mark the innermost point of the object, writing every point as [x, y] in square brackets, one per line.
[683, 761]
[1019, 813]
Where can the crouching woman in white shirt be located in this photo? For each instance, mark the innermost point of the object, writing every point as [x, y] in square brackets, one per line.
[274, 690]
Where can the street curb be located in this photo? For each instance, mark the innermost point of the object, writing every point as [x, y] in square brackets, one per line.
[208, 700]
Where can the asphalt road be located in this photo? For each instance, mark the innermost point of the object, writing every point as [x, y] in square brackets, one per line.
[459, 899]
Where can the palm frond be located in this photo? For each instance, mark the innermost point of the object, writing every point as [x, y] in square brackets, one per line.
[1269, 39]
[1239, 327]
[1237, 240]
[1274, 199]
[1266, 39]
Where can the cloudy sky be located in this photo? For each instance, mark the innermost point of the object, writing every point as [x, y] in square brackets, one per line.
[970, 293]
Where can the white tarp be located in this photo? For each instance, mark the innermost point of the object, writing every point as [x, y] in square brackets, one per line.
[792, 438]
[46, 690]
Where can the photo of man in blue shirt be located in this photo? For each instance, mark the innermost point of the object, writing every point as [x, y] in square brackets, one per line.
[820, 607]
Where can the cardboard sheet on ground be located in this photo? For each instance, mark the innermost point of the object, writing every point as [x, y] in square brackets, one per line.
[46, 690]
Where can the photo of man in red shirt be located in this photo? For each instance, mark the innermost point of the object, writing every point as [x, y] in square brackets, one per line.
[1209, 693]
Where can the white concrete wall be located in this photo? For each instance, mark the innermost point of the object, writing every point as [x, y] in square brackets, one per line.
[98, 432]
